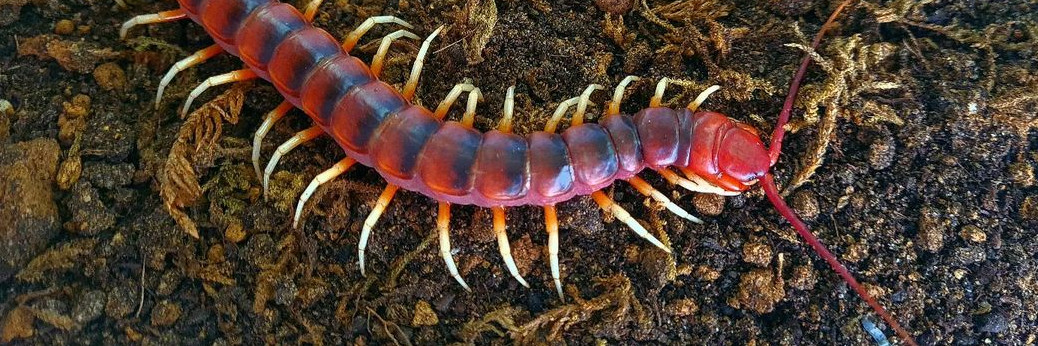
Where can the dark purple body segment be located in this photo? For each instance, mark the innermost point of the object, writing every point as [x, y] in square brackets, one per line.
[628, 146]
[502, 166]
[661, 148]
[591, 154]
[551, 174]
[395, 148]
[408, 146]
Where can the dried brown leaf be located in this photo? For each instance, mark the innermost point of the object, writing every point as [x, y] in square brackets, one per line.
[58, 259]
[195, 150]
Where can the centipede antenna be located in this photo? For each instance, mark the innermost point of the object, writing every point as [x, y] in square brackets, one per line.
[186, 63]
[268, 122]
[694, 105]
[771, 190]
[419, 62]
[775, 149]
[452, 96]
[369, 223]
[154, 18]
[578, 116]
[383, 48]
[645, 189]
[443, 221]
[319, 180]
[502, 244]
[470, 109]
[508, 111]
[553, 122]
[657, 98]
[609, 205]
[551, 224]
[229, 77]
[299, 138]
[311, 9]
[618, 94]
[355, 35]
[768, 184]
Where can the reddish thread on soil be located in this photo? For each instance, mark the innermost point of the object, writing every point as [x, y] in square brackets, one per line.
[771, 190]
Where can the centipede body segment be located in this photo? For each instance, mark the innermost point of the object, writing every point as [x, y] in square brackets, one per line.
[415, 149]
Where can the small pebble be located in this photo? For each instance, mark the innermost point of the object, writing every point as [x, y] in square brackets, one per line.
[759, 290]
[973, 234]
[424, 315]
[683, 307]
[234, 233]
[931, 230]
[708, 204]
[1029, 208]
[6, 109]
[1021, 174]
[803, 278]
[881, 153]
[757, 253]
[121, 302]
[806, 205]
[110, 76]
[615, 6]
[64, 27]
[705, 273]
[89, 307]
[216, 254]
[168, 283]
[165, 314]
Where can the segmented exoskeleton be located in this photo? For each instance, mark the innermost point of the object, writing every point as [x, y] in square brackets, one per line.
[451, 162]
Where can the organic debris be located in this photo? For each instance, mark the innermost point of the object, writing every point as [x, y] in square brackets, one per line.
[615, 308]
[195, 149]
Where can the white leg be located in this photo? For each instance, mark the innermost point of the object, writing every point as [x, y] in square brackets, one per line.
[311, 9]
[585, 98]
[502, 244]
[551, 224]
[186, 63]
[383, 48]
[608, 204]
[452, 96]
[470, 109]
[229, 77]
[419, 62]
[161, 17]
[443, 221]
[268, 123]
[319, 180]
[618, 94]
[553, 122]
[369, 223]
[354, 36]
[300, 138]
[657, 99]
[694, 105]
[508, 111]
[645, 189]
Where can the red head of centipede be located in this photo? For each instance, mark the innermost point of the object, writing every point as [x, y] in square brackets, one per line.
[727, 153]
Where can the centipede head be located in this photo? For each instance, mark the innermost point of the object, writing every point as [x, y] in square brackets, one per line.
[727, 153]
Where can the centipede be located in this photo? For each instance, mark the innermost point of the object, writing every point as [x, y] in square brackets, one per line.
[417, 149]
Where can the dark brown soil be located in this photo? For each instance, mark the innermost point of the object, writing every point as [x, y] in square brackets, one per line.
[914, 160]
